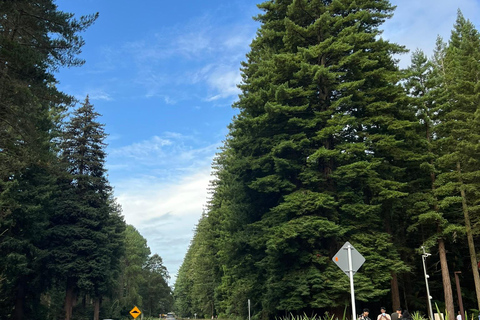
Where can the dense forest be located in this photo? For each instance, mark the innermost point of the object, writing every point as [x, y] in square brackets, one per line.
[66, 251]
[334, 142]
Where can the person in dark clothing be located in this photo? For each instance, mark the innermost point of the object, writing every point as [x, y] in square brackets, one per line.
[406, 315]
[364, 315]
[397, 314]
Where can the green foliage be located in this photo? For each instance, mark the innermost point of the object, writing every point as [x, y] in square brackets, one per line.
[78, 232]
[314, 157]
[60, 226]
[157, 295]
[23, 243]
[333, 143]
[136, 255]
[418, 316]
[35, 39]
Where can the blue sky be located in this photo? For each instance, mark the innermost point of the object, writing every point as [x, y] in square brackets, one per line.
[163, 75]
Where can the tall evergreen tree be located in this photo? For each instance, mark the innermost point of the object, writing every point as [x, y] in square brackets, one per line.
[312, 159]
[327, 94]
[327, 147]
[459, 131]
[425, 86]
[157, 295]
[183, 288]
[136, 257]
[35, 40]
[23, 244]
[79, 232]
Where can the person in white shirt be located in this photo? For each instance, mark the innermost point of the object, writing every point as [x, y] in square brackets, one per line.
[383, 314]
[459, 316]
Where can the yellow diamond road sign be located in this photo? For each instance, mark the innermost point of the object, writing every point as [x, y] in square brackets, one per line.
[135, 312]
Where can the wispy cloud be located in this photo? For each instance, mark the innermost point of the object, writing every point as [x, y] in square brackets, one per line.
[162, 185]
[144, 149]
[161, 64]
[166, 170]
[111, 60]
[98, 94]
[224, 80]
[166, 213]
[171, 151]
[416, 24]
[193, 44]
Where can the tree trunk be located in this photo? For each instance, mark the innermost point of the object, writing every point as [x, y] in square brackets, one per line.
[468, 229]
[69, 299]
[447, 284]
[395, 292]
[18, 313]
[96, 310]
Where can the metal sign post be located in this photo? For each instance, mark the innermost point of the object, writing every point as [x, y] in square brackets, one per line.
[429, 297]
[349, 260]
[352, 290]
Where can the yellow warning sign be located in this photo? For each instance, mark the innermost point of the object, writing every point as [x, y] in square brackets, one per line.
[135, 312]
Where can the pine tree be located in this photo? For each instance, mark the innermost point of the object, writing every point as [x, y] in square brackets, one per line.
[35, 40]
[313, 155]
[136, 256]
[183, 288]
[326, 148]
[23, 244]
[79, 232]
[425, 85]
[459, 131]
[156, 294]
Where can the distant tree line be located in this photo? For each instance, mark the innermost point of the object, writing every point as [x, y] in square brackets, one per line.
[334, 143]
[66, 251]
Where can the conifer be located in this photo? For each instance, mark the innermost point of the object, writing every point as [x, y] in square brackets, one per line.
[459, 131]
[81, 228]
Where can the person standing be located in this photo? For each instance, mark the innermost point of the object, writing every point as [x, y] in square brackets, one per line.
[383, 314]
[364, 315]
[406, 315]
[396, 315]
[459, 316]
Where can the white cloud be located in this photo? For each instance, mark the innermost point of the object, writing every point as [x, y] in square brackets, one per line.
[193, 44]
[214, 50]
[239, 38]
[148, 198]
[416, 24]
[94, 94]
[169, 100]
[165, 198]
[98, 94]
[166, 213]
[144, 149]
[224, 82]
[163, 156]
